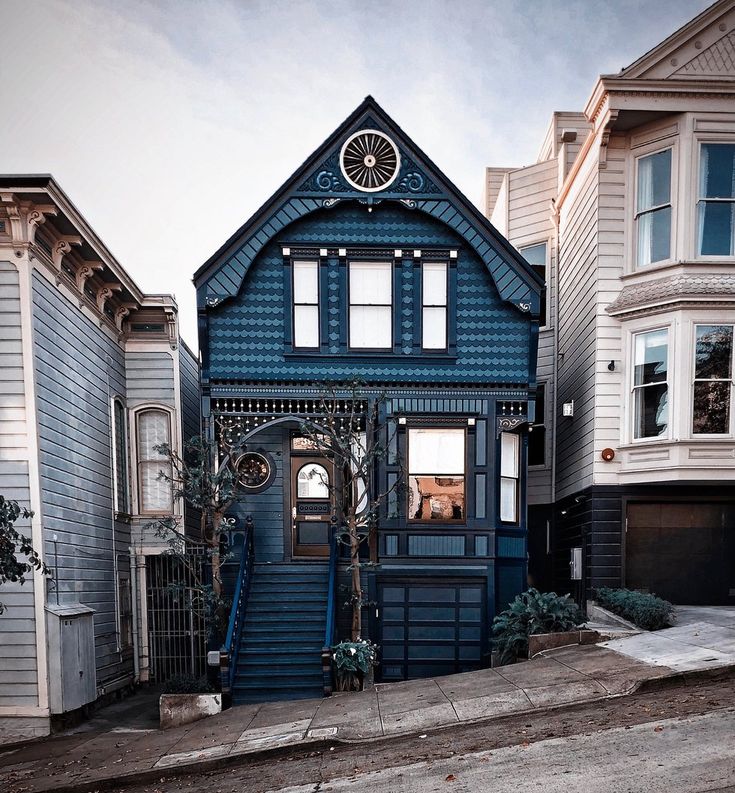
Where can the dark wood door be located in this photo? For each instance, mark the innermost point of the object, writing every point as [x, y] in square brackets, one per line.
[312, 506]
[683, 552]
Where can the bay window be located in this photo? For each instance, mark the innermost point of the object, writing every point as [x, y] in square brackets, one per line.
[713, 368]
[306, 305]
[650, 384]
[510, 472]
[154, 466]
[653, 208]
[371, 305]
[436, 475]
[716, 204]
[434, 305]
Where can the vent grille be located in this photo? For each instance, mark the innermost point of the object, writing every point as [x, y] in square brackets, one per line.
[369, 160]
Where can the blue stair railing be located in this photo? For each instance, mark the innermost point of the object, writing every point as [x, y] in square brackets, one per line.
[231, 647]
[331, 623]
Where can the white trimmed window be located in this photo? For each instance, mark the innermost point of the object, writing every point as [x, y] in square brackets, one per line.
[154, 467]
[306, 305]
[537, 257]
[713, 373]
[510, 471]
[651, 384]
[371, 305]
[653, 208]
[716, 204]
[434, 305]
[436, 475]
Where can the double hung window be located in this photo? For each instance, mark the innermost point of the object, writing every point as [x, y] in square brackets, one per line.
[716, 204]
[650, 384]
[154, 466]
[305, 305]
[120, 449]
[653, 208]
[510, 472]
[434, 305]
[436, 475]
[537, 435]
[371, 305]
[713, 372]
[536, 256]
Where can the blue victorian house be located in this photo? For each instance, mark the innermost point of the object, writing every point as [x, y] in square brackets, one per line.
[368, 263]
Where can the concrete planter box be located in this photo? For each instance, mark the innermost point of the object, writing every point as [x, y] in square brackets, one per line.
[548, 641]
[178, 709]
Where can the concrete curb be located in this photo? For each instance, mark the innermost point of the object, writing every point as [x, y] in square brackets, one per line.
[322, 744]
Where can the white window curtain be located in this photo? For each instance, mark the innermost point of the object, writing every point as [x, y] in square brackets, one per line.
[154, 467]
[371, 305]
[434, 308]
[510, 465]
[653, 207]
[306, 305]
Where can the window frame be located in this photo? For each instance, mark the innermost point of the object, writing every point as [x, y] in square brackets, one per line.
[545, 317]
[315, 261]
[390, 263]
[425, 305]
[651, 150]
[516, 479]
[700, 140]
[670, 385]
[135, 420]
[410, 521]
[697, 436]
[542, 386]
[120, 458]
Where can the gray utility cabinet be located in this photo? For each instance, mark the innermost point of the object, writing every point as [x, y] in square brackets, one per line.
[71, 665]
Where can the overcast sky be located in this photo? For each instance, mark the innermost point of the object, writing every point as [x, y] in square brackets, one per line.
[169, 123]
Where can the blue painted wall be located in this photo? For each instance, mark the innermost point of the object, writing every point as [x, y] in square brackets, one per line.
[246, 334]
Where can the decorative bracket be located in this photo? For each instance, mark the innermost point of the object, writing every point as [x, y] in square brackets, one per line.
[61, 247]
[104, 293]
[122, 311]
[610, 120]
[37, 218]
[85, 272]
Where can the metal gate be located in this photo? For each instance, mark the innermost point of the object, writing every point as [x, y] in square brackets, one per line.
[177, 631]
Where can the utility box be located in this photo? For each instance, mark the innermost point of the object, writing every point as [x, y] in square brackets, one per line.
[575, 564]
[71, 662]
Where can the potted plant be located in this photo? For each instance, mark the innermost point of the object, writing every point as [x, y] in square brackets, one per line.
[353, 664]
[186, 698]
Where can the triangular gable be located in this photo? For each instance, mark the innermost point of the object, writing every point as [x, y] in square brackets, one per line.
[319, 184]
[704, 48]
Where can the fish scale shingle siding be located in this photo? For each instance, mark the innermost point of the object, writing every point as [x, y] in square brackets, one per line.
[492, 336]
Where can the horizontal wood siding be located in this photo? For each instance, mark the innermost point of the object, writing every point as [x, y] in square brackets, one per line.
[267, 508]
[578, 241]
[190, 416]
[18, 667]
[150, 378]
[79, 367]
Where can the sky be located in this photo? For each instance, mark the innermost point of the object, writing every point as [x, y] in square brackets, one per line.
[168, 123]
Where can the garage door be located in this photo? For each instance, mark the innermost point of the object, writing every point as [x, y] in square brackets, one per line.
[429, 629]
[683, 552]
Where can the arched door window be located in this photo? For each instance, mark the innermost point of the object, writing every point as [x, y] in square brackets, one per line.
[154, 467]
[313, 481]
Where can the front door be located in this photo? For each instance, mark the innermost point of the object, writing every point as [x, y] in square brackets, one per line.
[312, 500]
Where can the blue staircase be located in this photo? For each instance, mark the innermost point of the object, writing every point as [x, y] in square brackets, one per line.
[280, 642]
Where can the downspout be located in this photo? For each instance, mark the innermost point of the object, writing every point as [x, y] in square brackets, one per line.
[113, 477]
[555, 357]
[134, 599]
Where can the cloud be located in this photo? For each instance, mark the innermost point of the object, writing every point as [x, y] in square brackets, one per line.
[169, 123]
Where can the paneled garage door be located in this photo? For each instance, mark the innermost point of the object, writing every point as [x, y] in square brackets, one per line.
[429, 629]
[684, 552]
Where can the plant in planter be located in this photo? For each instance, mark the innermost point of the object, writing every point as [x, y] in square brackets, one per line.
[353, 662]
[186, 698]
[644, 610]
[530, 613]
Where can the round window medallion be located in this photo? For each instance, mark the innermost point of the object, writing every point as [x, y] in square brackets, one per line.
[253, 470]
[369, 160]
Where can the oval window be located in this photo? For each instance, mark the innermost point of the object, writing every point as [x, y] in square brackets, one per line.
[313, 481]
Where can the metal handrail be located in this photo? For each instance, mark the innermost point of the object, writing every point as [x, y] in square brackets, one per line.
[231, 647]
[331, 624]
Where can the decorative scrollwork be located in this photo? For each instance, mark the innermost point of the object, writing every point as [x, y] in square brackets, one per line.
[326, 180]
[328, 203]
[412, 182]
[524, 306]
[510, 423]
[409, 203]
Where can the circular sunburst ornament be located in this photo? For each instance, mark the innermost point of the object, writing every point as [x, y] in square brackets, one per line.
[369, 160]
[253, 470]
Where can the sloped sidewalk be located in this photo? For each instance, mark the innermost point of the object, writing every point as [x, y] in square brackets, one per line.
[91, 761]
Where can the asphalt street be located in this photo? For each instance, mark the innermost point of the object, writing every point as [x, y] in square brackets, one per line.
[693, 755]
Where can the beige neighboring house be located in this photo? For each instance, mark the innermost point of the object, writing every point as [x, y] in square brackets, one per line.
[93, 374]
[630, 213]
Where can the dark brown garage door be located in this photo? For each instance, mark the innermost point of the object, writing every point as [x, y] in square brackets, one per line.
[684, 552]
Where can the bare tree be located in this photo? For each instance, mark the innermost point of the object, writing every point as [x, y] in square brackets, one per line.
[348, 427]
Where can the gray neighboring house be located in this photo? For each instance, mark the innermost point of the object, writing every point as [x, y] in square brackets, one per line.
[93, 374]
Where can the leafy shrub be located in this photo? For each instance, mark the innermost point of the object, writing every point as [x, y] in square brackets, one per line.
[646, 611]
[187, 684]
[530, 613]
[352, 661]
